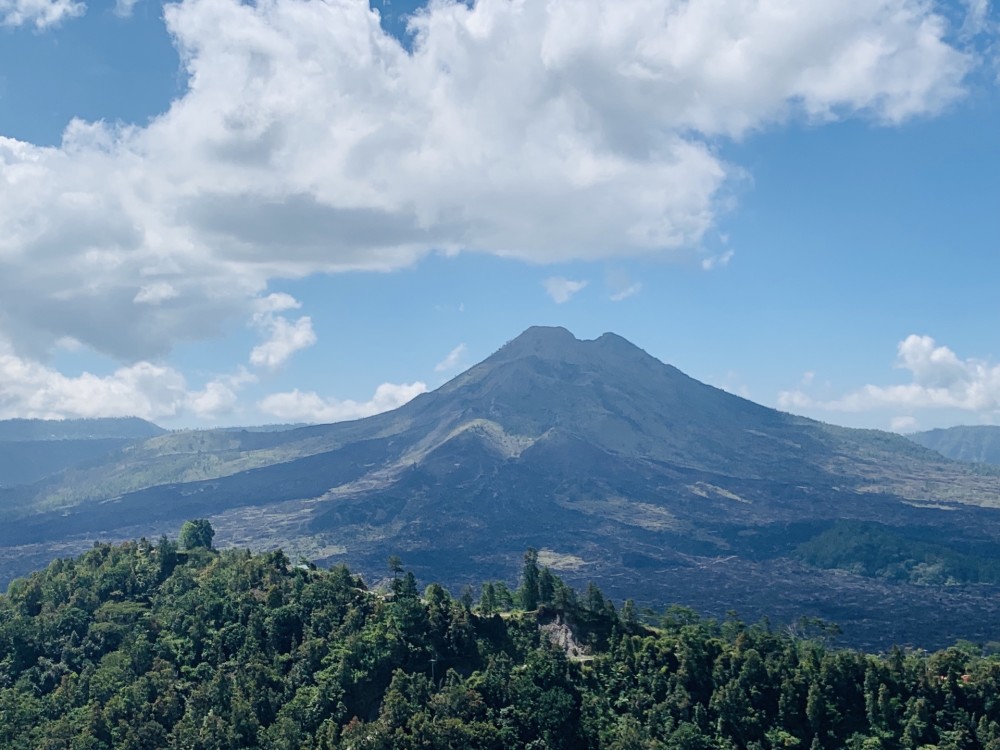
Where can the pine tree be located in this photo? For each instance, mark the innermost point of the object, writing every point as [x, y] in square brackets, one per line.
[529, 580]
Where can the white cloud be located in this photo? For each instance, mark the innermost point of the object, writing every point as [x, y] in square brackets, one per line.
[124, 8]
[939, 379]
[143, 389]
[621, 285]
[561, 289]
[977, 17]
[451, 361]
[29, 389]
[155, 293]
[296, 406]
[717, 261]
[629, 291]
[904, 424]
[215, 400]
[285, 338]
[275, 303]
[796, 400]
[42, 14]
[309, 141]
[220, 396]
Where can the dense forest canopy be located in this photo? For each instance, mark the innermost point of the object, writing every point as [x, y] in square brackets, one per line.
[146, 645]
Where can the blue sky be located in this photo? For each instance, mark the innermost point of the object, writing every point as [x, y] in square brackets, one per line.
[223, 213]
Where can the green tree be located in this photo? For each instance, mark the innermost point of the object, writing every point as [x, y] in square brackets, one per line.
[629, 616]
[546, 586]
[488, 599]
[197, 534]
[529, 580]
[395, 566]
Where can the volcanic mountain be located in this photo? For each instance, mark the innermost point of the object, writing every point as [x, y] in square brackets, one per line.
[620, 469]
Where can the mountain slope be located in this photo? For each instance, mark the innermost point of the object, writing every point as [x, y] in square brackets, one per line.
[619, 467]
[33, 449]
[126, 428]
[979, 444]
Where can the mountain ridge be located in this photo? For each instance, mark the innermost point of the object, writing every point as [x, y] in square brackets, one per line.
[132, 428]
[974, 444]
[33, 449]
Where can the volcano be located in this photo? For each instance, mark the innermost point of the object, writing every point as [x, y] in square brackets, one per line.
[618, 468]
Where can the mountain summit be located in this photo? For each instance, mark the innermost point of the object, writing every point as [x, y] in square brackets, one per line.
[619, 468]
[615, 397]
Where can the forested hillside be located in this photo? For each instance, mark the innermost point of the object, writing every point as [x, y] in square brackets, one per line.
[148, 645]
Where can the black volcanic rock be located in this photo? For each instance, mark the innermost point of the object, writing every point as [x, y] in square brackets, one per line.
[620, 468]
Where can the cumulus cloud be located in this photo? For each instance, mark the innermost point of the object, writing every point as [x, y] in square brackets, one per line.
[451, 361]
[284, 340]
[309, 141]
[31, 390]
[284, 337]
[220, 396]
[42, 14]
[561, 289]
[939, 379]
[275, 303]
[296, 406]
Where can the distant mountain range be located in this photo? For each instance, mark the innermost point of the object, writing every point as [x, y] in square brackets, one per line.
[32, 449]
[974, 444]
[617, 467]
[125, 428]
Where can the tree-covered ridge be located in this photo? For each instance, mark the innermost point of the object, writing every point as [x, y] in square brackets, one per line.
[880, 551]
[144, 645]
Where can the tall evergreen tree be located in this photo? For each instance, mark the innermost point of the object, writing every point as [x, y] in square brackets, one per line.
[529, 580]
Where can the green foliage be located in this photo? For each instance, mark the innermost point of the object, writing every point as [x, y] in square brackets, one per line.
[395, 566]
[528, 593]
[880, 551]
[137, 646]
[197, 534]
